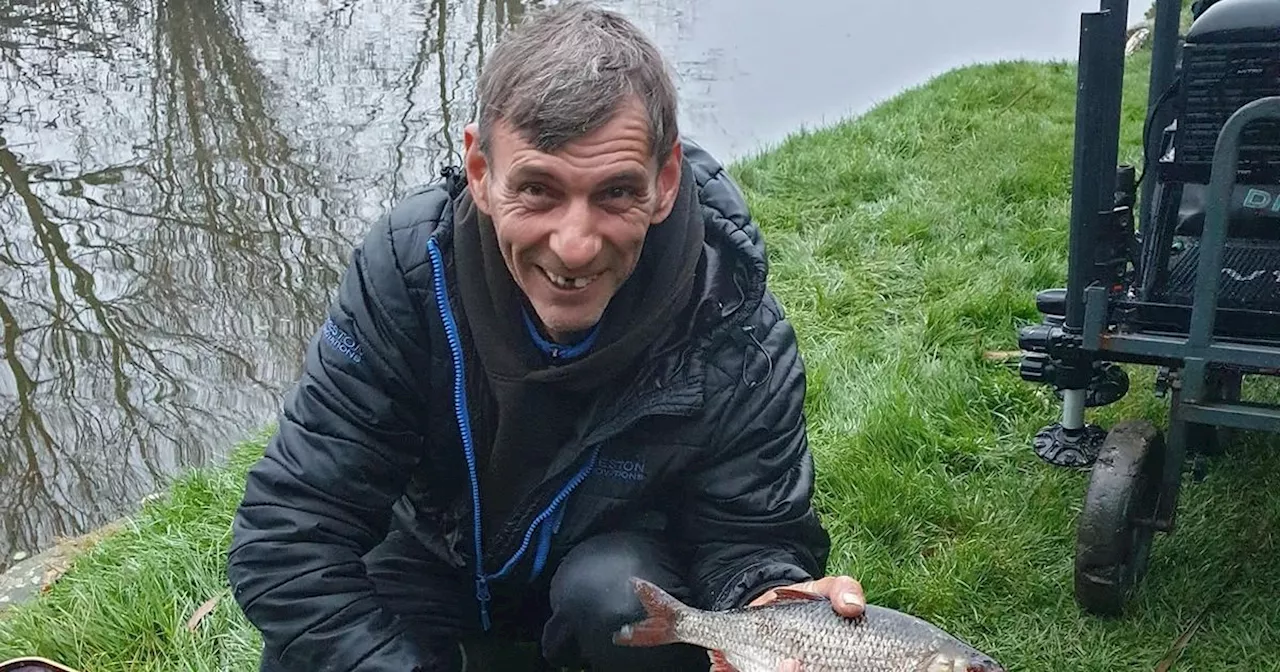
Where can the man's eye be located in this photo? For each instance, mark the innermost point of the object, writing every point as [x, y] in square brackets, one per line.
[619, 192]
[533, 189]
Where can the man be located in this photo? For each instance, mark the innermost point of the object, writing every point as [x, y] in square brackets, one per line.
[540, 377]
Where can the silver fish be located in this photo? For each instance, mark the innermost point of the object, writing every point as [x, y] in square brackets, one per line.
[801, 626]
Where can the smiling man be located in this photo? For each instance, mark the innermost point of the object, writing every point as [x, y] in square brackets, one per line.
[553, 370]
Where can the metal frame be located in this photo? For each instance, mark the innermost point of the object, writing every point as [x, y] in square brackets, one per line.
[1099, 320]
[1199, 350]
[1092, 327]
[1200, 347]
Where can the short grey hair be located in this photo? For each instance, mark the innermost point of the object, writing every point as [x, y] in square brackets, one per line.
[563, 72]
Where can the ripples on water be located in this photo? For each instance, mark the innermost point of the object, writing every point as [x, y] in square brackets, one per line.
[181, 182]
[174, 219]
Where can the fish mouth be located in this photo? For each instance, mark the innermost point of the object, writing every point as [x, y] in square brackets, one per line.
[947, 662]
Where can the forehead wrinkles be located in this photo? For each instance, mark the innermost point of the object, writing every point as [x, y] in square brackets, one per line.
[581, 170]
[624, 139]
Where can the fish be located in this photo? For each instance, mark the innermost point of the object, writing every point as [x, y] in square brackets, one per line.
[801, 626]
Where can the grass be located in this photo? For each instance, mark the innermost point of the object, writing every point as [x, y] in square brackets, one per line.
[905, 243]
[125, 604]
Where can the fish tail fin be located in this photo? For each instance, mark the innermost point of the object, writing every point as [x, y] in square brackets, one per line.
[663, 612]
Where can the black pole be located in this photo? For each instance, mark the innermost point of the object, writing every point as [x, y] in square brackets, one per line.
[1086, 157]
[1164, 56]
[1112, 94]
[1099, 85]
[1118, 11]
[1164, 53]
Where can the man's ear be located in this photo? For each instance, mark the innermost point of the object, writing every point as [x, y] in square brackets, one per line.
[669, 183]
[476, 165]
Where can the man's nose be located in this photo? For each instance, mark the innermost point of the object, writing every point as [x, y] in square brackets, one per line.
[575, 240]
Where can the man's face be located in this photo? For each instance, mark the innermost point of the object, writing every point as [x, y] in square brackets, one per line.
[571, 224]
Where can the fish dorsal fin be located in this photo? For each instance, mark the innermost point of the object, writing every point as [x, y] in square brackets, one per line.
[719, 663]
[791, 595]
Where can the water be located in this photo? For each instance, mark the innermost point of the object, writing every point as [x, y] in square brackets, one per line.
[181, 182]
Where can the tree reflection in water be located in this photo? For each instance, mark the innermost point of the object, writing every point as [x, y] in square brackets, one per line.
[181, 182]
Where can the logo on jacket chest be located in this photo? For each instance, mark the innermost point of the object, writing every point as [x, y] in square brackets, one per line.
[621, 469]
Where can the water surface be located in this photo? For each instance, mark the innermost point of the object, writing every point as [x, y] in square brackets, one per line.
[181, 182]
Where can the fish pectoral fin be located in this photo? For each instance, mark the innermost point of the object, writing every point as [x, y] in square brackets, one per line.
[719, 663]
[792, 595]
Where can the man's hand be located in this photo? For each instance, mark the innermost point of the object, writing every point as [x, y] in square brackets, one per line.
[844, 592]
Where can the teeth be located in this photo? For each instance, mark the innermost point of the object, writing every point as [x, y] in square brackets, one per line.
[575, 283]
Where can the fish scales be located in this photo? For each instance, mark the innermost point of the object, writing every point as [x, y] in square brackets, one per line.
[805, 629]
[758, 639]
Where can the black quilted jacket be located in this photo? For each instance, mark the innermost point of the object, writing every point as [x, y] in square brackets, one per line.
[709, 437]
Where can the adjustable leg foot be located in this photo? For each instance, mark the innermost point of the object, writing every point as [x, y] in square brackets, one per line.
[1072, 448]
[1070, 443]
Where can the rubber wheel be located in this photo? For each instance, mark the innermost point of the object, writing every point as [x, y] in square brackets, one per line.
[1111, 548]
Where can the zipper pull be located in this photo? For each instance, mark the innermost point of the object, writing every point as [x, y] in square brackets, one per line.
[483, 596]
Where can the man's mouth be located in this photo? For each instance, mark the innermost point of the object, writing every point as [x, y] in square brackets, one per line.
[566, 282]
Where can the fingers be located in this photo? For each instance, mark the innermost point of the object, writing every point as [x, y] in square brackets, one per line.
[845, 594]
[789, 666]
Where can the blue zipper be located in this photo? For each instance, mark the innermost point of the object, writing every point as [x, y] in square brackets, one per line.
[464, 422]
[549, 530]
[463, 417]
[550, 527]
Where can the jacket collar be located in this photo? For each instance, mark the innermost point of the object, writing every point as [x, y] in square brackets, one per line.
[732, 283]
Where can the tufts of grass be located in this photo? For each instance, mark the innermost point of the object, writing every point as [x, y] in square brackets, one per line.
[125, 604]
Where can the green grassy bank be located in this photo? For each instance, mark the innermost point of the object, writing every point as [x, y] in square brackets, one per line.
[905, 244]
